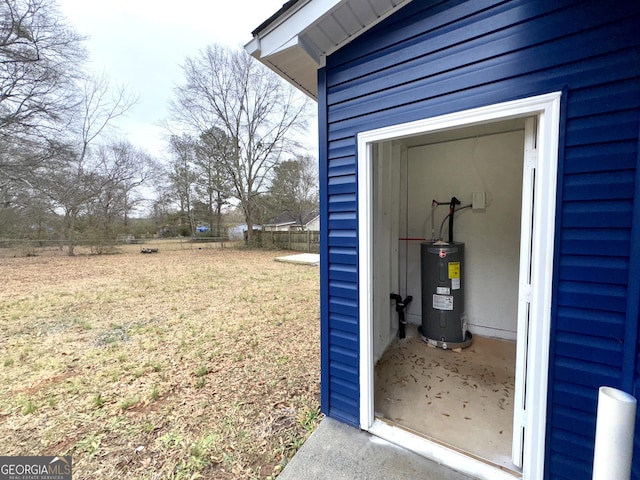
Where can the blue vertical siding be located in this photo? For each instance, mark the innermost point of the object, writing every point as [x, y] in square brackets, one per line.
[435, 57]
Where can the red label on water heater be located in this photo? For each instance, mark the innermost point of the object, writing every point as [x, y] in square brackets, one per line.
[442, 254]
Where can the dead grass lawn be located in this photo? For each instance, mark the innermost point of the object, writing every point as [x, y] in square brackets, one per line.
[195, 362]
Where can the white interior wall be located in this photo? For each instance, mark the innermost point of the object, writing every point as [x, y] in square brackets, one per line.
[491, 164]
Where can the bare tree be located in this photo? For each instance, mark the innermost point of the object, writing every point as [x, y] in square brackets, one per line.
[100, 106]
[294, 189]
[125, 169]
[259, 114]
[182, 175]
[214, 182]
[69, 182]
[161, 206]
[23, 214]
[40, 56]
[72, 178]
[39, 59]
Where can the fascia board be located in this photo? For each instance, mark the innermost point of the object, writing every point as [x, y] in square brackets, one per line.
[253, 47]
[282, 32]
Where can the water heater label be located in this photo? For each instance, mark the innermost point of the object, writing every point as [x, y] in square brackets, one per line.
[455, 284]
[443, 290]
[443, 302]
[454, 270]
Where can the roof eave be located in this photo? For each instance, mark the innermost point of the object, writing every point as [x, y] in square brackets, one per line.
[296, 40]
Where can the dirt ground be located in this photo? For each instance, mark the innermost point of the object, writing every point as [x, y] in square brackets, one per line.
[194, 362]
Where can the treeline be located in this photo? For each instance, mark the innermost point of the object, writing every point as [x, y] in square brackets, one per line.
[67, 173]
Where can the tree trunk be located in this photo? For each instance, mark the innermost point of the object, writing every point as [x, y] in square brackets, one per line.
[218, 215]
[70, 227]
[249, 219]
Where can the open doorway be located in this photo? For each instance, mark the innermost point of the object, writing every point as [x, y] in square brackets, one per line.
[469, 404]
[463, 399]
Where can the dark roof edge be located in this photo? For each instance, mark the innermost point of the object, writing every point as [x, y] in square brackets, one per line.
[274, 17]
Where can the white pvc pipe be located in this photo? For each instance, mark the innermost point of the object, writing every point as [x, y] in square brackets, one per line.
[614, 435]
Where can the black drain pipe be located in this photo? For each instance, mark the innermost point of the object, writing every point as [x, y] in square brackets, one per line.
[400, 306]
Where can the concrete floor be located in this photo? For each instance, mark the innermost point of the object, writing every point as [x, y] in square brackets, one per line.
[336, 451]
[464, 399]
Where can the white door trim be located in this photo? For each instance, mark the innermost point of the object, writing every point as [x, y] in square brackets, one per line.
[524, 287]
[547, 109]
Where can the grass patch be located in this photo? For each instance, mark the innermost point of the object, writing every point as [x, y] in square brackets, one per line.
[29, 407]
[171, 440]
[83, 324]
[126, 351]
[129, 402]
[155, 393]
[98, 401]
[202, 371]
[90, 445]
[115, 334]
[309, 417]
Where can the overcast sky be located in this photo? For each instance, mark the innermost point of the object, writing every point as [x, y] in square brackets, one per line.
[142, 43]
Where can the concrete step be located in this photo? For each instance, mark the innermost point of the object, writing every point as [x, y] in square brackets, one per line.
[336, 451]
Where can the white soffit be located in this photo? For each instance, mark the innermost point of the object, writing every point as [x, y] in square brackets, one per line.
[295, 42]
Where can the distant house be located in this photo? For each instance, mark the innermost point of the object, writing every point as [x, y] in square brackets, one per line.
[286, 221]
[528, 112]
[237, 232]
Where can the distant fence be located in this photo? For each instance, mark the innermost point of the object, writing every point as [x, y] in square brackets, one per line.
[202, 239]
[26, 247]
[301, 241]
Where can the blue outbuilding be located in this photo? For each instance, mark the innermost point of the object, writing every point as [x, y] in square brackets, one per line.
[528, 113]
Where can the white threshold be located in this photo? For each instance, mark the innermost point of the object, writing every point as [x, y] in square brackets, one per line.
[456, 460]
